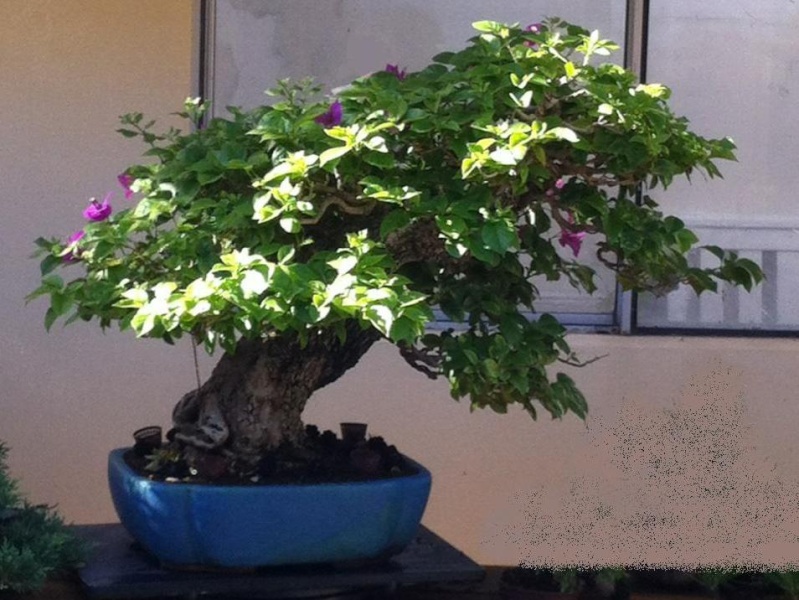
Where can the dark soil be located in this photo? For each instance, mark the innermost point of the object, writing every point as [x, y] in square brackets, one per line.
[323, 457]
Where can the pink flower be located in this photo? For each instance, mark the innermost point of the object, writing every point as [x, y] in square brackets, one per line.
[126, 181]
[572, 239]
[553, 191]
[77, 236]
[534, 28]
[332, 117]
[98, 211]
[395, 70]
[73, 240]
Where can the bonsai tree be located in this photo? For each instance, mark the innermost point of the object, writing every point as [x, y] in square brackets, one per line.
[296, 235]
[34, 543]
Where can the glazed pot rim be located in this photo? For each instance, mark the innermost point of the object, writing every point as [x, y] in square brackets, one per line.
[116, 457]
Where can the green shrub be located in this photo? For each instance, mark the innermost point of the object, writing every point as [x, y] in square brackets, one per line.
[34, 542]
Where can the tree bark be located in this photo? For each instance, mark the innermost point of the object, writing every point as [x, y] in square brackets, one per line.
[255, 397]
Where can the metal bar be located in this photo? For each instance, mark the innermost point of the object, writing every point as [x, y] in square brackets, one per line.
[718, 332]
[769, 290]
[731, 305]
[206, 43]
[636, 37]
[635, 55]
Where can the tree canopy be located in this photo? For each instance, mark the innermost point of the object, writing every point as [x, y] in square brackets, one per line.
[459, 187]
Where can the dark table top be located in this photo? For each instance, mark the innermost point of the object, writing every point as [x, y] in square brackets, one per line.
[428, 569]
[488, 589]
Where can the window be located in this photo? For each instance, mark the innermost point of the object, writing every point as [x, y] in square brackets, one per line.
[733, 72]
[733, 67]
[252, 43]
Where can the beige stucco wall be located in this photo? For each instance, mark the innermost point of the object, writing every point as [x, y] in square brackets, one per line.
[68, 69]
[689, 453]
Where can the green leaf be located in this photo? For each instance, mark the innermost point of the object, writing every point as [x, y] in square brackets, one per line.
[512, 328]
[685, 239]
[263, 212]
[452, 226]
[499, 236]
[422, 126]
[53, 282]
[379, 159]
[49, 263]
[564, 133]
[540, 154]
[142, 323]
[416, 114]
[571, 70]
[504, 156]
[253, 283]
[281, 170]
[524, 100]
[444, 57]
[43, 243]
[492, 368]
[393, 221]
[405, 330]
[482, 253]
[50, 317]
[715, 251]
[290, 225]
[136, 297]
[332, 154]
[381, 316]
[487, 26]
[344, 264]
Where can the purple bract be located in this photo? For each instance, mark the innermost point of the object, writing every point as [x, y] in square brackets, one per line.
[74, 254]
[98, 211]
[126, 181]
[396, 71]
[332, 117]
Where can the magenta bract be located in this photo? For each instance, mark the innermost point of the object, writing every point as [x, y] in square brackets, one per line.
[73, 254]
[126, 181]
[332, 117]
[98, 211]
[572, 239]
[396, 71]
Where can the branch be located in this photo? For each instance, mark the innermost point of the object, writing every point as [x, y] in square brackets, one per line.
[422, 360]
[573, 362]
[421, 242]
[347, 202]
[612, 265]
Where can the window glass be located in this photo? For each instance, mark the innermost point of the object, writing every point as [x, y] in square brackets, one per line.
[733, 67]
[256, 42]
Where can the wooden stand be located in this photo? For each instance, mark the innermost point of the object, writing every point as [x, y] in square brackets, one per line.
[117, 568]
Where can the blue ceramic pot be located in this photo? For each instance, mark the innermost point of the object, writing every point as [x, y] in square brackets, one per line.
[185, 524]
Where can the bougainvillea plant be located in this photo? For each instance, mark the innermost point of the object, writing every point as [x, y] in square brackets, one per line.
[296, 235]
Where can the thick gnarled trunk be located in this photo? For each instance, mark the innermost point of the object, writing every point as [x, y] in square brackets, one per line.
[255, 397]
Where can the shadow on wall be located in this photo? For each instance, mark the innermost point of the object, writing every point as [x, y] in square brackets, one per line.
[671, 487]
